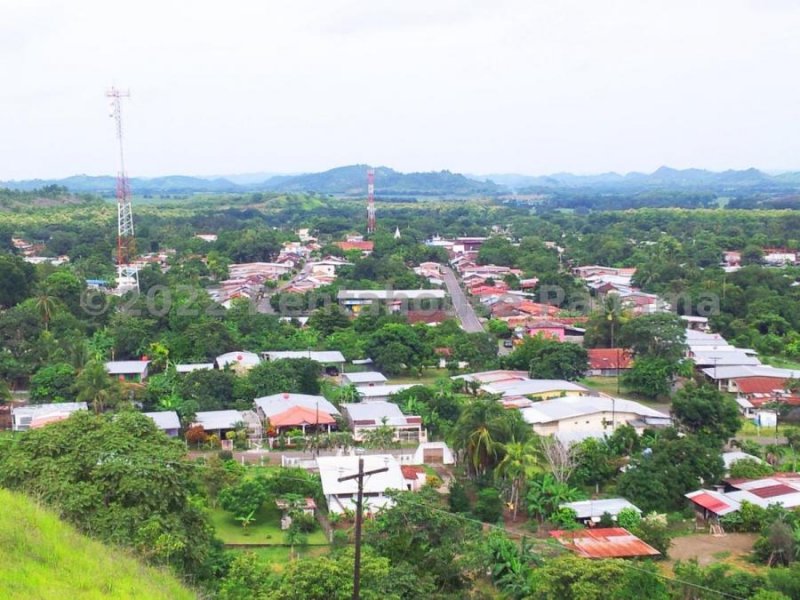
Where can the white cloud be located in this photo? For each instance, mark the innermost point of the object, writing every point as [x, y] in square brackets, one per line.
[473, 86]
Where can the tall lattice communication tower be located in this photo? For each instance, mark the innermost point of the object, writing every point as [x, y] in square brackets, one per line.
[370, 200]
[127, 274]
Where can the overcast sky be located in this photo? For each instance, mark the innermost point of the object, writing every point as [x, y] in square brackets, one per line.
[521, 86]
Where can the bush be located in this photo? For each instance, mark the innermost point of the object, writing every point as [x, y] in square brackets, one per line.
[305, 523]
[750, 468]
[225, 455]
[653, 530]
[629, 519]
[606, 520]
[458, 499]
[565, 518]
[489, 506]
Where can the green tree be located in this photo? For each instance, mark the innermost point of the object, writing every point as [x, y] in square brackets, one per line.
[16, 280]
[329, 319]
[558, 360]
[381, 437]
[46, 306]
[483, 429]
[520, 462]
[244, 498]
[53, 383]
[119, 479]
[489, 505]
[593, 463]
[96, 387]
[651, 377]
[659, 335]
[705, 411]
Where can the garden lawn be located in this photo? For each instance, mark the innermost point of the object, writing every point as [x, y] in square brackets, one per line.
[429, 377]
[277, 557]
[266, 529]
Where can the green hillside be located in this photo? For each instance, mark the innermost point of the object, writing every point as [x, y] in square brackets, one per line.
[44, 558]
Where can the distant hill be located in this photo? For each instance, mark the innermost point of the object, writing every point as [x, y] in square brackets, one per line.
[352, 181]
[663, 178]
[46, 559]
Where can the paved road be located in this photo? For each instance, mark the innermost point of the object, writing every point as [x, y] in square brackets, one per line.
[466, 314]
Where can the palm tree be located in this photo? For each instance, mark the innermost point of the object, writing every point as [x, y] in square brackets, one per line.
[95, 386]
[521, 461]
[481, 432]
[46, 305]
[348, 394]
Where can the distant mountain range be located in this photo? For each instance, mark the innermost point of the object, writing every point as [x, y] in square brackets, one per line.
[351, 181]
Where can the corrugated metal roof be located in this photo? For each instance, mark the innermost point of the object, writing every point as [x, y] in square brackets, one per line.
[611, 542]
[716, 502]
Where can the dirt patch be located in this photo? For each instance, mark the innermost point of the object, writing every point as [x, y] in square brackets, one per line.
[707, 548]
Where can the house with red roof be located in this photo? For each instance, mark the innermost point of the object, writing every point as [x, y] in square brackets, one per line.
[364, 246]
[608, 362]
[415, 477]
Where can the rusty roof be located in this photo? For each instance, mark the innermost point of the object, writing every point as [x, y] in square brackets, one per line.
[608, 542]
[771, 491]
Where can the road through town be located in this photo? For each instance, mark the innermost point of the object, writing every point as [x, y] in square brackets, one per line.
[466, 314]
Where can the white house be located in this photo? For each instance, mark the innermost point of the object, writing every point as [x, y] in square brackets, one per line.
[133, 370]
[364, 378]
[189, 367]
[342, 495]
[332, 360]
[590, 415]
[219, 422]
[381, 393]
[240, 360]
[166, 420]
[364, 417]
[39, 415]
[593, 510]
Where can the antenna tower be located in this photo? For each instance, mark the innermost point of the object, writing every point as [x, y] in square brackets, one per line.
[370, 200]
[127, 274]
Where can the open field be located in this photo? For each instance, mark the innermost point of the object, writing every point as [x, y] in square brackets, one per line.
[265, 530]
[731, 548]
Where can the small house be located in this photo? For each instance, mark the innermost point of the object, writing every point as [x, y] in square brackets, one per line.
[342, 495]
[39, 415]
[167, 421]
[128, 370]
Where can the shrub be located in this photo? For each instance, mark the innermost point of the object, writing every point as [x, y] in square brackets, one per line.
[225, 455]
[629, 519]
[750, 468]
[565, 518]
[489, 506]
[606, 520]
[458, 500]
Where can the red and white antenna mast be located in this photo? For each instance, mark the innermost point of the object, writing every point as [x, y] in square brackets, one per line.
[370, 200]
[127, 275]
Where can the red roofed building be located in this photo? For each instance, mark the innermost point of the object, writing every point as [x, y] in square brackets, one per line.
[761, 390]
[366, 247]
[607, 542]
[415, 477]
[608, 362]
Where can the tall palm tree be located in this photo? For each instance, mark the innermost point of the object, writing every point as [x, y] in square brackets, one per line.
[481, 432]
[46, 306]
[521, 461]
[95, 386]
[348, 394]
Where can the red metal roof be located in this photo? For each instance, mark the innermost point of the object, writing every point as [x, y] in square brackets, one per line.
[709, 502]
[356, 246]
[609, 358]
[760, 385]
[771, 491]
[610, 542]
[411, 471]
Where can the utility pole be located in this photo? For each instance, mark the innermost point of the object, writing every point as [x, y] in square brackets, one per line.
[359, 517]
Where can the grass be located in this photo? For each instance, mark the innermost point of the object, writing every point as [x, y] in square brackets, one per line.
[46, 559]
[265, 530]
[429, 376]
[780, 362]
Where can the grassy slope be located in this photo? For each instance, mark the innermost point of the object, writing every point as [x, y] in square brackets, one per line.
[43, 558]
